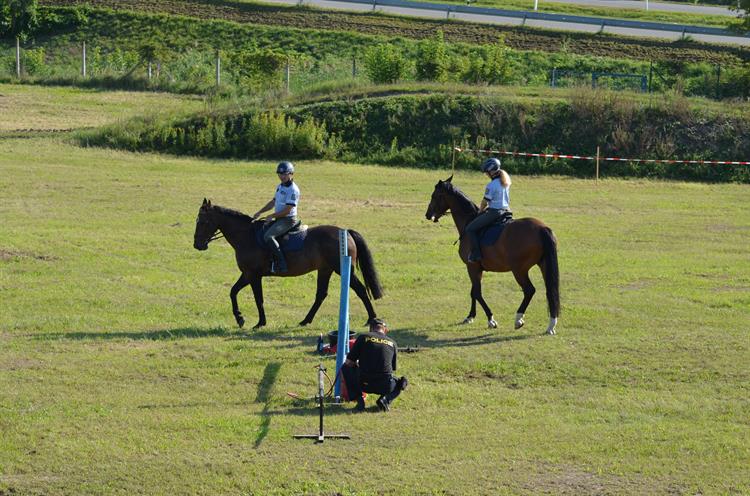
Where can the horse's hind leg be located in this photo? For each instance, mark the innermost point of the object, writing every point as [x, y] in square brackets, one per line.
[522, 278]
[361, 291]
[241, 283]
[476, 294]
[324, 278]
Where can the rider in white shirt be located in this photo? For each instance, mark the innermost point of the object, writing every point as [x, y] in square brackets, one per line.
[495, 204]
[284, 216]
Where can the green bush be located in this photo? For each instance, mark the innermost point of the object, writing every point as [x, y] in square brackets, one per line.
[33, 61]
[432, 61]
[385, 64]
[257, 69]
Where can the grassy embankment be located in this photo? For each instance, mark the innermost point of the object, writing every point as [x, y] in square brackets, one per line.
[121, 371]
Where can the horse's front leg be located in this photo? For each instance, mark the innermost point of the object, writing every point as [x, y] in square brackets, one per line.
[476, 293]
[257, 285]
[241, 283]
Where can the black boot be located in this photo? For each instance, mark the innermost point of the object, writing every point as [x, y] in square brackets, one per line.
[475, 255]
[279, 263]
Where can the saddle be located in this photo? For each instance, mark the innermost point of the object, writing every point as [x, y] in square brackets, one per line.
[491, 233]
[292, 240]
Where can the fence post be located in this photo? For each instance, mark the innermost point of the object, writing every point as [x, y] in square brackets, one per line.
[288, 74]
[597, 164]
[354, 67]
[218, 68]
[149, 70]
[718, 81]
[650, 75]
[18, 57]
[554, 77]
[83, 59]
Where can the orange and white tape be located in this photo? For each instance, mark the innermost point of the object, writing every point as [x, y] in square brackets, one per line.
[609, 159]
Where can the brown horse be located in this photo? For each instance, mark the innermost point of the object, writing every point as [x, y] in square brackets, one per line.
[320, 252]
[522, 244]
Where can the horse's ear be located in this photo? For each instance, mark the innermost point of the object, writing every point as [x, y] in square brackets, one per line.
[449, 179]
[209, 203]
[205, 201]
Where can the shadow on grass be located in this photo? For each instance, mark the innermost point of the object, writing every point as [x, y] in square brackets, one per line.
[286, 336]
[265, 388]
[160, 335]
[419, 339]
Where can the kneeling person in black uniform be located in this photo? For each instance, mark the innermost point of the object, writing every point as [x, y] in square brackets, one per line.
[369, 367]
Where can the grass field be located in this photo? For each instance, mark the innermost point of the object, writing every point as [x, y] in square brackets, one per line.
[59, 108]
[121, 371]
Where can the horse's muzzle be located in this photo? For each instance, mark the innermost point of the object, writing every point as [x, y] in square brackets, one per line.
[200, 247]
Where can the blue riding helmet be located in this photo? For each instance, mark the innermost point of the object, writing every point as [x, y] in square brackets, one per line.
[285, 168]
[491, 165]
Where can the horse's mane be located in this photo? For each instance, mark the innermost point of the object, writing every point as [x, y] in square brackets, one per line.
[463, 199]
[233, 213]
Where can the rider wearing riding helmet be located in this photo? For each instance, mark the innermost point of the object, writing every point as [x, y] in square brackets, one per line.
[284, 215]
[495, 204]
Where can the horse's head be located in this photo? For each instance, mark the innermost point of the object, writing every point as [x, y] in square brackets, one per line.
[439, 202]
[205, 226]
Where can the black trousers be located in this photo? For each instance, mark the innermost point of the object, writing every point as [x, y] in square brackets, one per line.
[486, 218]
[357, 383]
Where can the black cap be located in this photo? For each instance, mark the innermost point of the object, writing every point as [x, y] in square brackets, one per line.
[378, 322]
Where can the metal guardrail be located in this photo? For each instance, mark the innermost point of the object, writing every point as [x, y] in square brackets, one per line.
[685, 29]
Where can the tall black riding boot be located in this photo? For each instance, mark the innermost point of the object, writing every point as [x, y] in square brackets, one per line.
[279, 263]
[475, 255]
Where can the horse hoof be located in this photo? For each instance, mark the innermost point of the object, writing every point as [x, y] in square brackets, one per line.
[258, 325]
[519, 324]
[467, 320]
[551, 332]
[240, 321]
[303, 323]
[492, 324]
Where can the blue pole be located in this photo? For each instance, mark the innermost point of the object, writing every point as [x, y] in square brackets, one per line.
[342, 346]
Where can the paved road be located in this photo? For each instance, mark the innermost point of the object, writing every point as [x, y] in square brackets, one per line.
[662, 6]
[439, 12]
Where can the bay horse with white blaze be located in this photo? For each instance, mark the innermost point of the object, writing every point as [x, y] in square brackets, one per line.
[522, 244]
[319, 251]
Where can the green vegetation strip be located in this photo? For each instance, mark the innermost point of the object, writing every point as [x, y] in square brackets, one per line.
[401, 27]
[121, 371]
[382, 130]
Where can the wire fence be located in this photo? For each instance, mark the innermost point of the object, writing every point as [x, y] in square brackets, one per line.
[201, 71]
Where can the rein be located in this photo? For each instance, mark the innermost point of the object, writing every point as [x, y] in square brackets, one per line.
[216, 235]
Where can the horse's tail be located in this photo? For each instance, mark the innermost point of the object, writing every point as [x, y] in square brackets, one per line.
[551, 272]
[367, 266]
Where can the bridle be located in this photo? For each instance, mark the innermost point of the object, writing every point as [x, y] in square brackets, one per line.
[217, 235]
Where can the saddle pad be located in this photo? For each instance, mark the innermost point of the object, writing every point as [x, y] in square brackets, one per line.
[490, 235]
[293, 241]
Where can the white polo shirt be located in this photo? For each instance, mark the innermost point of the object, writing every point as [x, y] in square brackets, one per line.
[286, 195]
[497, 195]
